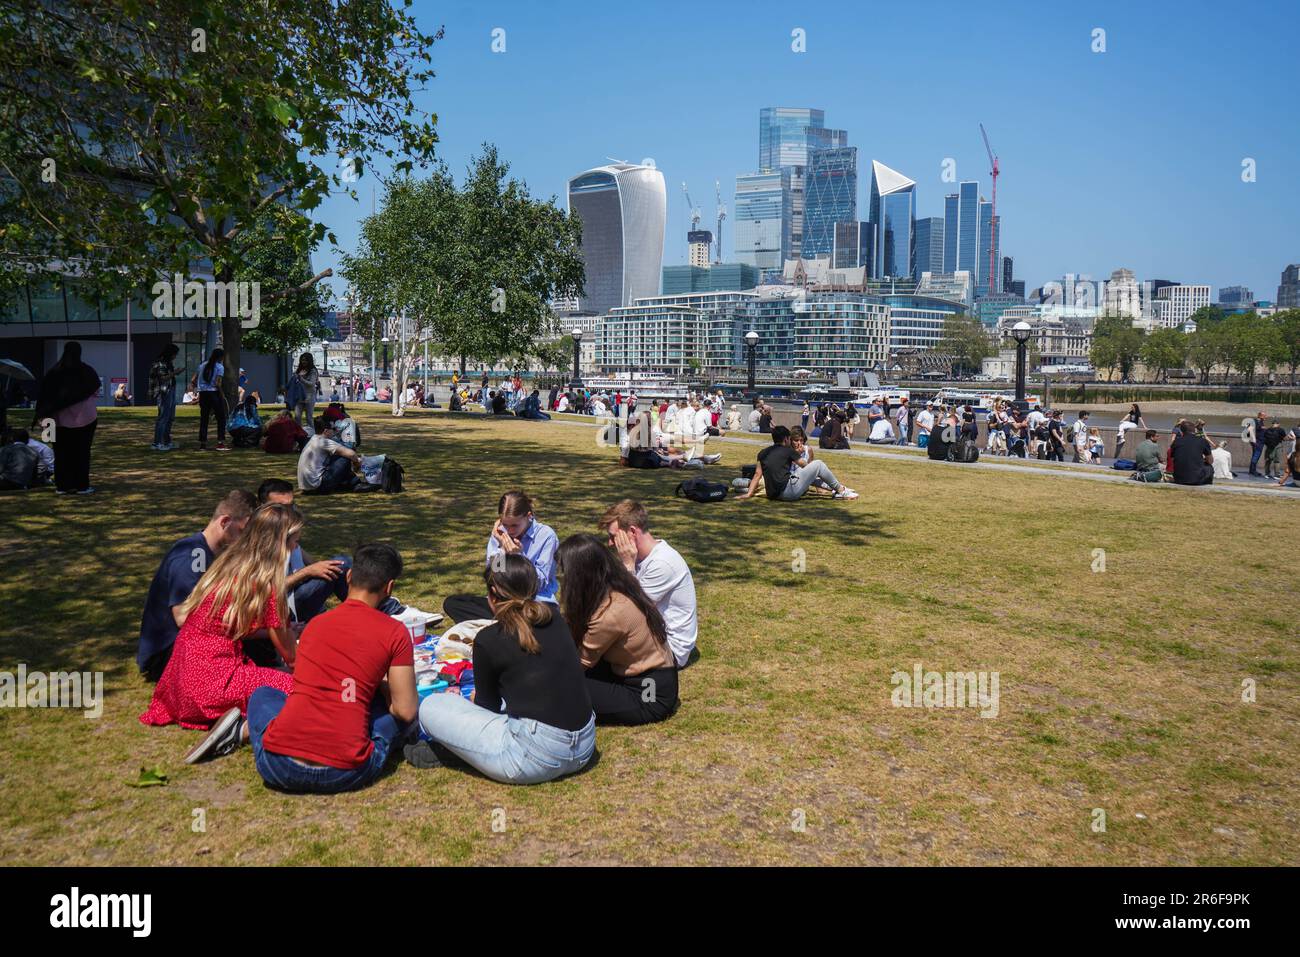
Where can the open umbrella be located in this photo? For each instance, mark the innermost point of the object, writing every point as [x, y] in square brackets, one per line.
[13, 369]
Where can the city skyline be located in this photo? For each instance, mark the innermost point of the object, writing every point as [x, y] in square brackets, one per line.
[1108, 158]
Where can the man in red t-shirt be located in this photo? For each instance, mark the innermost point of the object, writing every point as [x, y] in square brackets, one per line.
[353, 691]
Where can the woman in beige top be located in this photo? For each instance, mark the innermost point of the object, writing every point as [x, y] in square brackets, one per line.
[621, 637]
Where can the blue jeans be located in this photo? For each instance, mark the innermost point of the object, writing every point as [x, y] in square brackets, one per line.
[162, 427]
[338, 475]
[309, 598]
[286, 774]
[506, 749]
[1255, 453]
[902, 437]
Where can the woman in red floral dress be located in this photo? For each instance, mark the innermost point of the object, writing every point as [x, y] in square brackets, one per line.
[208, 673]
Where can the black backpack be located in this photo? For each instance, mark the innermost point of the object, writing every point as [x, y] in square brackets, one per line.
[698, 490]
[390, 476]
[963, 450]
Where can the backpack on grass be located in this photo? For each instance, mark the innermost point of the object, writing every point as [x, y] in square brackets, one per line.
[390, 478]
[698, 490]
[1124, 465]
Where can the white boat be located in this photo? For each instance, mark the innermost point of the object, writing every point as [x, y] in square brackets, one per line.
[980, 401]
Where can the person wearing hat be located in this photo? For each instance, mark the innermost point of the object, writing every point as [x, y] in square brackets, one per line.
[924, 423]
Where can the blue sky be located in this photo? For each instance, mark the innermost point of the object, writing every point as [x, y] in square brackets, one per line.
[1131, 157]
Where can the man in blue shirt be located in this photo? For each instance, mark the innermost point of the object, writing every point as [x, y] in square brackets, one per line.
[516, 531]
[181, 569]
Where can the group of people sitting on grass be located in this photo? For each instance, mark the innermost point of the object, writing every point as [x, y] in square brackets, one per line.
[567, 635]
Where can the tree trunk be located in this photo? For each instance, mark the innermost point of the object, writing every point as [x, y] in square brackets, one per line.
[232, 335]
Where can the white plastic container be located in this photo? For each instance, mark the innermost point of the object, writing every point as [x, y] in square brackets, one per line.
[414, 621]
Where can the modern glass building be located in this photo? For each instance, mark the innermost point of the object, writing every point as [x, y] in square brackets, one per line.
[720, 276]
[853, 245]
[831, 196]
[764, 218]
[825, 331]
[916, 322]
[623, 208]
[649, 338]
[930, 239]
[988, 238]
[786, 138]
[893, 212]
[951, 217]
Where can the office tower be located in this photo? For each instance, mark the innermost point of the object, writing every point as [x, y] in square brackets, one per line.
[930, 239]
[988, 237]
[786, 137]
[698, 242]
[831, 196]
[763, 219]
[623, 208]
[1174, 304]
[1288, 293]
[893, 210]
[1235, 296]
[951, 220]
[968, 230]
[1007, 273]
[853, 245]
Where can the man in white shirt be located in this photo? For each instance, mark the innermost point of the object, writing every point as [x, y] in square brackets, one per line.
[326, 465]
[1079, 437]
[882, 433]
[662, 572]
[1222, 462]
[1036, 418]
[924, 423]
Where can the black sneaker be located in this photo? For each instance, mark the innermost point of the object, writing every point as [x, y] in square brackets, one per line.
[421, 755]
[221, 740]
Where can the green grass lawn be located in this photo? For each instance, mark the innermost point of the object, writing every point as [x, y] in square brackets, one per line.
[1119, 690]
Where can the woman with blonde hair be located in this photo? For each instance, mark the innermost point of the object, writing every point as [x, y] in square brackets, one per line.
[527, 663]
[241, 595]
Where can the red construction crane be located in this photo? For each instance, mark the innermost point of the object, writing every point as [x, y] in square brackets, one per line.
[993, 213]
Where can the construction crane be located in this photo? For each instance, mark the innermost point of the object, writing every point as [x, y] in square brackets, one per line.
[722, 214]
[695, 212]
[993, 213]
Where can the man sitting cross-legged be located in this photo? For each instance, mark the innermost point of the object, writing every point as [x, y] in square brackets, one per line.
[353, 694]
[327, 465]
[181, 569]
[778, 481]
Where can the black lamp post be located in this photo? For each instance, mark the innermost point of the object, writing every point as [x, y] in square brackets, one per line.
[385, 342]
[1021, 332]
[751, 343]
[576, 335]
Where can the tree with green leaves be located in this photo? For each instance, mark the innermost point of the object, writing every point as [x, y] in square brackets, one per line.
[145, 138]
[472, 268]
[269, 258]
[968, 340]
[1207, 347]
[1116, 345]
[1162, 350]
[1252, 341]
[1288, 323]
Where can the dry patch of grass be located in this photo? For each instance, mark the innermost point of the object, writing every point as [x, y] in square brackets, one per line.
[1119, 690]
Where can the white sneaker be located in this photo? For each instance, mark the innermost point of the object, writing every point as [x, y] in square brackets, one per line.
[846, 493]
[710, 459]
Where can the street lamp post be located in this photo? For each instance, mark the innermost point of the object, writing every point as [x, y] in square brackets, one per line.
[1021, 332]
[751, 343]
[577, 353]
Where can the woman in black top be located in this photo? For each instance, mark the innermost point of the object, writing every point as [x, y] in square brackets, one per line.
[527, 663]
[68, 395]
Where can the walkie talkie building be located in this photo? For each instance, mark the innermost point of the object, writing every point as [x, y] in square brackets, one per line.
[623, 208]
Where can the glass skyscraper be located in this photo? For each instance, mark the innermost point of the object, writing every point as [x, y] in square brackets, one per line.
[763, 219]
[786, 137]
[831, 196]
[622, 208]
[967, 227]
[930, 245]
[893, 212]
[951, 217]
[988, 238]
[853, 245]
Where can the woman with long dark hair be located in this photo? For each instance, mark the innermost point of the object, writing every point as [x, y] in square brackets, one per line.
[212, 401]
[69, 394]
[307, 388]
[621, 637]
[527, 663]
